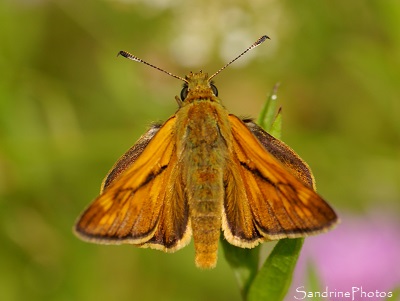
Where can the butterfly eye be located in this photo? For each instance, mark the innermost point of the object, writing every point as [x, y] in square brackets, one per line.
[214, 89]
[184, 93]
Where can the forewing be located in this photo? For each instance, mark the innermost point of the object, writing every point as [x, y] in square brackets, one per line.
[264, 200]
[146, 204]
[130, 156]
[283, 153]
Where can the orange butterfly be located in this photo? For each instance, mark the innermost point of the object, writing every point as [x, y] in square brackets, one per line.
[201, 171]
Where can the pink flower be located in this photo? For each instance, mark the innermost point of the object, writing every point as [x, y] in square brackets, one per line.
[361, 256]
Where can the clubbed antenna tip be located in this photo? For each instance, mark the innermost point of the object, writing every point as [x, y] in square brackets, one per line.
[136, 59]
[254, 45]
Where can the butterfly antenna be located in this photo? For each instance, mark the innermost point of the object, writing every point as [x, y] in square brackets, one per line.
[254, 45]
[136, 59]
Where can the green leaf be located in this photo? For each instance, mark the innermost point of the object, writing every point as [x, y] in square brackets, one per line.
[314, 281]
[244, 263]
[274, 278]
[276, 127]
[268, 112]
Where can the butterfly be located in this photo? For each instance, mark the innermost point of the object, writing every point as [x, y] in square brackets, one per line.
[202, 171]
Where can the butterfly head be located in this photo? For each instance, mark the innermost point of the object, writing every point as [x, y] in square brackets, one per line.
[198, 86]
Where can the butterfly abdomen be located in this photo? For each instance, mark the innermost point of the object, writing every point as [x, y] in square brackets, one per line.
[205, 151]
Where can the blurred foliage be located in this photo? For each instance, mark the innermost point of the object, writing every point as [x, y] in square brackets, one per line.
[69, 108]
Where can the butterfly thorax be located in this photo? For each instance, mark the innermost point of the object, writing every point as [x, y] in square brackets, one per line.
[203, 142]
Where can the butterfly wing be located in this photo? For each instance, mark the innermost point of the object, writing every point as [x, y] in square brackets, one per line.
[283, 153]
[263, 199]
[129, 157]
[146, 204]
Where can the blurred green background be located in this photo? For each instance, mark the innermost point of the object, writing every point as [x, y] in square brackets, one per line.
[69, 108]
